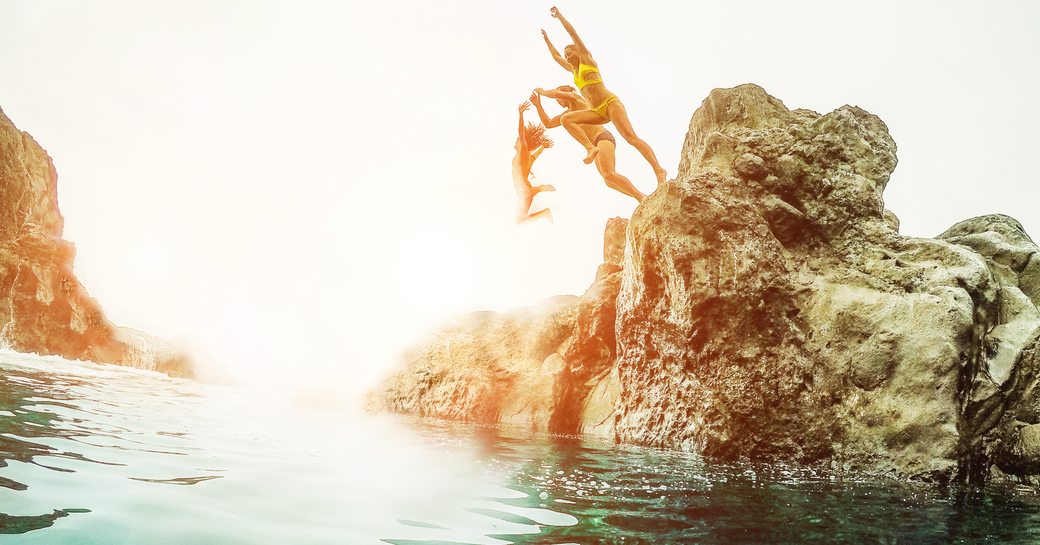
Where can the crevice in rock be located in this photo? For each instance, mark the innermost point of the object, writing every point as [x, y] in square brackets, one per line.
[972, 462]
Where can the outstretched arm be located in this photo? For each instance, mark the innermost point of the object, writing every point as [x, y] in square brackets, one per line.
[525, 156]
[551, 93]
[556, 54]
[556, 93]
[574, 33]
[550, 123]
[537, 151]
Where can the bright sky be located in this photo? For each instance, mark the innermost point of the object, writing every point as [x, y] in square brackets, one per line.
[306, 186]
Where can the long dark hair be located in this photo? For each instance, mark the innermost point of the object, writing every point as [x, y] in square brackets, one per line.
[535, 136]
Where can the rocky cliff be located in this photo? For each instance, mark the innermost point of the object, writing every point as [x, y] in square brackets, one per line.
[43, 308]
[764, 306]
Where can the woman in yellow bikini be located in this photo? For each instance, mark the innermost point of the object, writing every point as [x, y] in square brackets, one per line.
[577, 60]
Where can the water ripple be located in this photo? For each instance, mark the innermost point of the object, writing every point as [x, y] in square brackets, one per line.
[246, 468]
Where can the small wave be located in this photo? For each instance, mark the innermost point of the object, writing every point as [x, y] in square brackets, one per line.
[179, 480]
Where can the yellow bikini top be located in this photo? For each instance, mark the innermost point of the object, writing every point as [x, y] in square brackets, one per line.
[581, 75]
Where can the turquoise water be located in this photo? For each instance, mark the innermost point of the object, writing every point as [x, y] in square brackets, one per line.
[95, 454]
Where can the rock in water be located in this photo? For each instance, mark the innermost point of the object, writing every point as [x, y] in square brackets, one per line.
[43, 307]
[767, 308]
[549, 367]
[487, 368]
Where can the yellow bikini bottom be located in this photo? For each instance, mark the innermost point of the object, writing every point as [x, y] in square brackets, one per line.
[602, 108]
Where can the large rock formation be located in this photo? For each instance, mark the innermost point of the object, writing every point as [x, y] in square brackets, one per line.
[767, 308]
[43, 308]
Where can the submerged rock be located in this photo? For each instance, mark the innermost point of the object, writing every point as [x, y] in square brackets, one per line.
[43, 307]
[767, 308]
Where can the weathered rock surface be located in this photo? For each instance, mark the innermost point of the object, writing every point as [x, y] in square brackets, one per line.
[43, 307]
[549, 367]
[767, 308]
[489, 367]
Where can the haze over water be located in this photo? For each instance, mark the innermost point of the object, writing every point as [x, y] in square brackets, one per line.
[96, 454]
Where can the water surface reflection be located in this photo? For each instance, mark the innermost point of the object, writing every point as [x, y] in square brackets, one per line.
[94, 454]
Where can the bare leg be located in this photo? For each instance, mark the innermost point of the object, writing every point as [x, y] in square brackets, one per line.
[571, 122]
[615, 181]
[544, 213]
[619, 116]
[624, 185]
[527, 198]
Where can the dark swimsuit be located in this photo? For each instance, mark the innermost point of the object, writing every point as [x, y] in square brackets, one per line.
[605, 135]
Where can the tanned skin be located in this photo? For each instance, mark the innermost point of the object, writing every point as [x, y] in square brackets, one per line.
[605, 163]
[522, 163]
[595, 94]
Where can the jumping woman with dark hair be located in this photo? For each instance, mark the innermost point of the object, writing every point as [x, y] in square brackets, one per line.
[530, 137]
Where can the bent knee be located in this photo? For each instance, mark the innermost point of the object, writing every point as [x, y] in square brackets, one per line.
[631, 138]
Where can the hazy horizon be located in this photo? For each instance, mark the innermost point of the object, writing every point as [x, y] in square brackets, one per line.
[309, 187]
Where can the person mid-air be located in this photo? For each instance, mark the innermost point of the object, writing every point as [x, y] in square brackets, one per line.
[606, 107]
[530, 136]
[600, 137]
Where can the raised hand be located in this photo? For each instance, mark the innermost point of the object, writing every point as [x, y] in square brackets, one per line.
[545, 35]
[554, 11]
[535, 98]
[525, 106]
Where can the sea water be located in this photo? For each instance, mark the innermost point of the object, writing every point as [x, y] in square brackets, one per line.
[94, 454]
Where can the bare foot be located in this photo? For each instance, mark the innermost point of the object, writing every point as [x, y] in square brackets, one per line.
[548, 216]
[662, 176]
[593, 152]
[546, 187]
